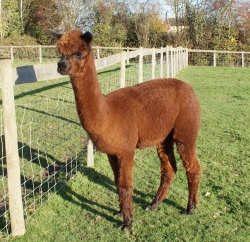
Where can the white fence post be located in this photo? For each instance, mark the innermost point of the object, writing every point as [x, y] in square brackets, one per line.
[161, 63]
[141, 65]
[182, 58]
[90, 153]
[123, 69]
[177, 60]
[186, 62]
[40, 54]
[11, 146]
[214, 58]
[167, 61]
[171, 62]
[12, 54]
[98, 52]
[242, 59]
[127, 55]
[153, 64]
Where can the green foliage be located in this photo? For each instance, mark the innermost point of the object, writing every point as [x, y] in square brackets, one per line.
[28, 18]
[11, 18]
[107, 35]
[219, 25]
[83, 211]
[18, 40]
[207, 24]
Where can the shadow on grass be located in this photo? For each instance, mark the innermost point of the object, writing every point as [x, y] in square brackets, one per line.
[113, 69]
[39, 90]
[34, 186]
[89, 205]
[139, 197]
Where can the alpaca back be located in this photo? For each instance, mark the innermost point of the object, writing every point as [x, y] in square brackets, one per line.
[146, 113]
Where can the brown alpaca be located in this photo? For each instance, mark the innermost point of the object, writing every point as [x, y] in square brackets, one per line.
[158, 112]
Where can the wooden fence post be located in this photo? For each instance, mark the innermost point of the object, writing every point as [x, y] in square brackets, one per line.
[177, 60]
[90, 153]
[127, 55]
[161, 63]
[11, 147]
[123, 69]
[167, 60]
[186, 62]
[181, 59]
[171, 63]
[12, 54]
[214, 58]
[242, 59]
[153, 64]
[98, 52]
[141, 65]
[40, 54]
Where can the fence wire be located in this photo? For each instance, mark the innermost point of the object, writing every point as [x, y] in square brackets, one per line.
[218, 58]
[52, 146]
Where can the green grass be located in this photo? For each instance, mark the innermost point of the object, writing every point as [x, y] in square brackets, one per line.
[83, 210]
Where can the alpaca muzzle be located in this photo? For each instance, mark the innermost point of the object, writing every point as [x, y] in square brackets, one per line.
[62, 67]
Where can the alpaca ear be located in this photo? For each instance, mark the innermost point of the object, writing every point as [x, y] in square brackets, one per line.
[87, 37]
[54, 35]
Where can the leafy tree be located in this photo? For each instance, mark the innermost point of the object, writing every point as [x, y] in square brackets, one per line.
[211, 24]
[243, 23]
[109, 23]
[10, 18]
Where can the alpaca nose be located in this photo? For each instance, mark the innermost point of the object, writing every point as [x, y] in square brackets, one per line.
[61, 65]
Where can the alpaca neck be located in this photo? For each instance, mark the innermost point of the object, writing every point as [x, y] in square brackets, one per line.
[91, 105]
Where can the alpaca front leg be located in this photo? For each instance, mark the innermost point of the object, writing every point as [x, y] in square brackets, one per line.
[125, 200]
[125, 190]
[114, 162]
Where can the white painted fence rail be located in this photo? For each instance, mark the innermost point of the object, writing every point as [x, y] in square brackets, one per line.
[176, 59]
[42, 54]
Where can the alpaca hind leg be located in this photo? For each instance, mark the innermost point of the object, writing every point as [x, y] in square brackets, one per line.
[193, 171]
[168, 169]
[125, 189]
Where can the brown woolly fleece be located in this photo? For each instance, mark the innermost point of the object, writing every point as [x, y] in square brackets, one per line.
[160, 112]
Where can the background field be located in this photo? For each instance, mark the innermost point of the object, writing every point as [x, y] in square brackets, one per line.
[83, 210]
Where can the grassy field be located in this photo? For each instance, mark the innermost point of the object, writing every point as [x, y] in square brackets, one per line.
[83, 210]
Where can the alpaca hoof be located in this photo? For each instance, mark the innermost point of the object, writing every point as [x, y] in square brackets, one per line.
[150, 208]
[189, 211]
[186, 213]
[118, 214]
[125, 227]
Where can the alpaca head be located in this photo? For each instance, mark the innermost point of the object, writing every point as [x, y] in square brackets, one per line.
[74, 46]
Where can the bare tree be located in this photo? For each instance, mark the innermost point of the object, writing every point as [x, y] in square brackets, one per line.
[145, 15]
[73, 12]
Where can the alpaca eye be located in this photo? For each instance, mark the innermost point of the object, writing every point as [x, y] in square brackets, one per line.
[78, 55]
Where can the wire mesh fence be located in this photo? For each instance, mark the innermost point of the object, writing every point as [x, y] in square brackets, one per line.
[218, 58]
[48, 53]
[52, 145]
